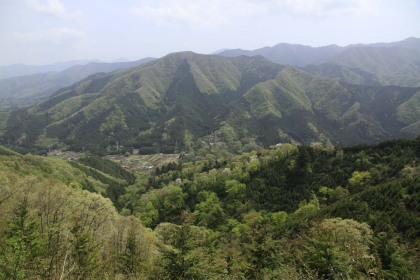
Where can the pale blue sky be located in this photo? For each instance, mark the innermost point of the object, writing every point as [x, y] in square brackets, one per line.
[47, 31]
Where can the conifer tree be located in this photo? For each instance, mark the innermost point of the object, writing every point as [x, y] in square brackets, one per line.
[22, 248]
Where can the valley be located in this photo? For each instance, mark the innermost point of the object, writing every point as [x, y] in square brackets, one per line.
[286, 162]
[271, 211]
[142, 163]
[180, 102]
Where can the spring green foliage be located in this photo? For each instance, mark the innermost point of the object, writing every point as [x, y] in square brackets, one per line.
[27, 89]
[109, 168]
[23, 245]
[291, 212]
[51, 228]
[205, 105]
[338, 248]
[393, 66]
[393, 63]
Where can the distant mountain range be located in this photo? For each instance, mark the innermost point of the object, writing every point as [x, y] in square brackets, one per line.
[26, 90]
[16, 70]
[185, 99]
[396, 63]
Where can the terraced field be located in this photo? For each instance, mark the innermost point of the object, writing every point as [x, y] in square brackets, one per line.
[142, 163]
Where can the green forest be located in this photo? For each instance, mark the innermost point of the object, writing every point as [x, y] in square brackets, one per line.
[208, 158]
[177, 102]
[288, 212]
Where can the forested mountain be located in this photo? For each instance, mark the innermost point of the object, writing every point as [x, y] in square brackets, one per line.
[186, 101]
[291, 212]
[292, 54]
[393, 65]
[27, 90]
[56, 222]
[349, 75]
[396, 63]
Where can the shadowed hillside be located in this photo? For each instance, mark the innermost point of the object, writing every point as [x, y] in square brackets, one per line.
[185, 100]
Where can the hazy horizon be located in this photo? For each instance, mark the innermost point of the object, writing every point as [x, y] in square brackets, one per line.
[39, 32]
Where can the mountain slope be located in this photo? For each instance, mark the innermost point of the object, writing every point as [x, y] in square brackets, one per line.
[293, 54]
[393, 65]
[26, 90]
[53, 222]
[349, 75]
[396, 63]
[308, 107]
[172, 103]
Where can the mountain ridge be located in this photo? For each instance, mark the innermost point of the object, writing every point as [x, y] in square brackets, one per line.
[395, 63]
[21, 69]
[26, 90]
[185, 99]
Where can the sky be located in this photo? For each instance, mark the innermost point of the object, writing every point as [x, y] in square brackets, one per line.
[40, 32]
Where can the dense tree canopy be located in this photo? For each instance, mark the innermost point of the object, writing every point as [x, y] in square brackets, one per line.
[290, 212]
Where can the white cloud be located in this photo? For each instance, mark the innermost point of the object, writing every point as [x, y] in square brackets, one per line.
[326, 8]
[54, 36]
[198, 13]
[206, 13]
[55, 8]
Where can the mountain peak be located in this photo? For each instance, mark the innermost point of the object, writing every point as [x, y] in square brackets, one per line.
[411, 43]
[185, 96]
[182, 54]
